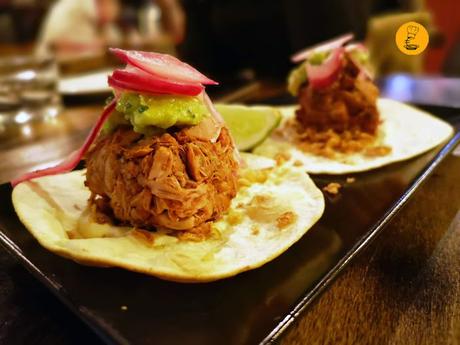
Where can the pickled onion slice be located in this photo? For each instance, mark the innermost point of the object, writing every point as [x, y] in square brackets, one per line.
[72, 161]
[325, 46]
[162, 66]
[323, 75]
[137, 80]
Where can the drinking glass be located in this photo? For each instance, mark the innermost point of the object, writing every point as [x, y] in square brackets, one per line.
[28, 88]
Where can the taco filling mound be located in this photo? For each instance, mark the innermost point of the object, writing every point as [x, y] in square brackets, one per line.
[165, 191]
[173, 179]
[338, 102]
[341, 125]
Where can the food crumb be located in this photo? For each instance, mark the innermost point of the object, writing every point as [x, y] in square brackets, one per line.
[250, 177]
[287, 218]
[377, 151]
[144, 236]
[234, 217]
[124, 307]
[197, 234]
[242, 182]
[261, 199]
[332, 188]
[298, 163]
[282, 157]
[255, 229]
[350, 179]
[72, 235]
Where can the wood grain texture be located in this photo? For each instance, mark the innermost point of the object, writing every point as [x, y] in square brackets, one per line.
[405, 287]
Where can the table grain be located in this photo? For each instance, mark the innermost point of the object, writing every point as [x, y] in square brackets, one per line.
[405, 287]
[402, 289]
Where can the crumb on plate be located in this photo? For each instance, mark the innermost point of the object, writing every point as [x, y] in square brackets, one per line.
[377, 151]
[282, 157]
[332, 188]
[298, 163]
[286, 219]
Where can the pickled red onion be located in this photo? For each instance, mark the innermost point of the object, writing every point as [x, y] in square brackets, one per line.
[320, 76]
[212, 109]
[163, 66]
[362, 67]
[145, 72]
[209, 128]
[218, 117]
[328, 45]
[135, 79]
[72, 161]
[355, 46]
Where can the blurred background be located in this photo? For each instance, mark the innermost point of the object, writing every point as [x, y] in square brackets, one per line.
[54, 60]
[227, 38]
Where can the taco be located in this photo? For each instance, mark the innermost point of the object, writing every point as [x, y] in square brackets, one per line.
[341, 125]
[165, 192]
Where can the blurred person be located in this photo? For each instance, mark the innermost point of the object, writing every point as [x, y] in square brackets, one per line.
[80, 27]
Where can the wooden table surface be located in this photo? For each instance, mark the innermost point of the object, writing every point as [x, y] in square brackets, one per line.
[403, 289]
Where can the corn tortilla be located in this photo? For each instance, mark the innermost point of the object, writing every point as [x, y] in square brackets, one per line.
[265, 219]
[407, 130]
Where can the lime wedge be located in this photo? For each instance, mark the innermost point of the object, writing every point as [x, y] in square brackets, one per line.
[249, 125]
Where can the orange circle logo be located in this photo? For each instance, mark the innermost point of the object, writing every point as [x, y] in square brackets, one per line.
[412, 38]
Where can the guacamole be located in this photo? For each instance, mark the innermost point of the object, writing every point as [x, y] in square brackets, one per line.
[150, 113]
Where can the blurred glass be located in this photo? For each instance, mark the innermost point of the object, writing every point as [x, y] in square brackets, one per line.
[28, 88]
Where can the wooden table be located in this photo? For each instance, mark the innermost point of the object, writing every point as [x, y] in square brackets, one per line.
[403, 289]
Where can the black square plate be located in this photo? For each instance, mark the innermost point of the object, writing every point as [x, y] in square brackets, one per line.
[254, 307]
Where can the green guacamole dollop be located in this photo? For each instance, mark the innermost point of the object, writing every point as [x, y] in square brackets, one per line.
[148, 114]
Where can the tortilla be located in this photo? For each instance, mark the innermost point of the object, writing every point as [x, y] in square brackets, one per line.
[274, 208]
[407, 130]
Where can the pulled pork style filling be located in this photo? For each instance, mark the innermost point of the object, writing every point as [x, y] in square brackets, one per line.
[342, 117]
[173, 180]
